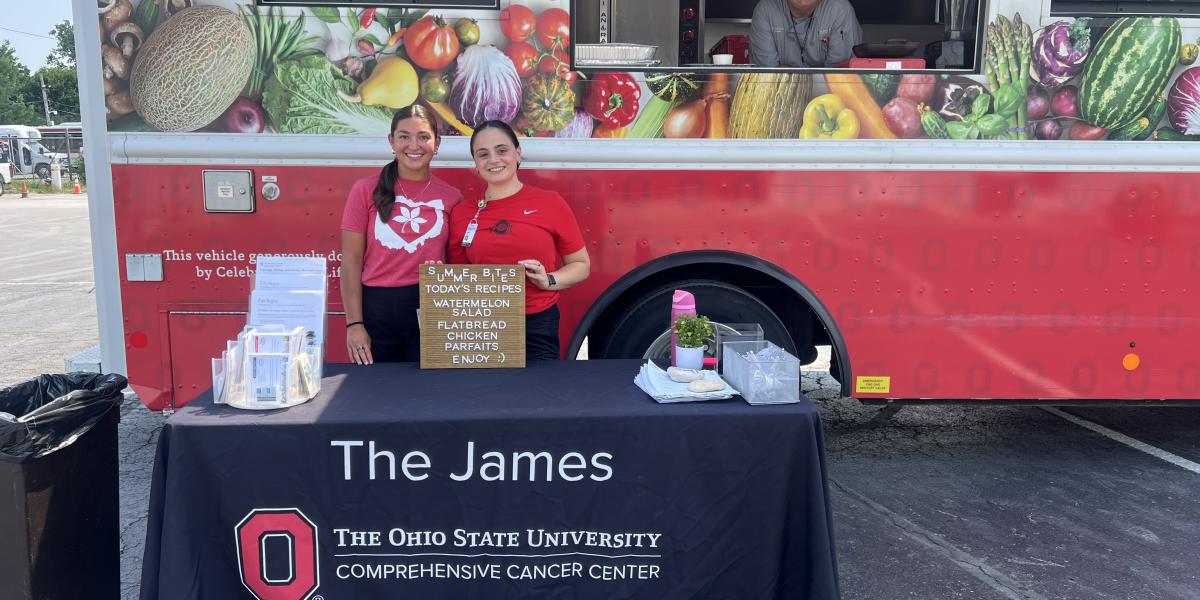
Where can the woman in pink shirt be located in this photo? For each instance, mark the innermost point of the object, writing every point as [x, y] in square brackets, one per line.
[392, 224]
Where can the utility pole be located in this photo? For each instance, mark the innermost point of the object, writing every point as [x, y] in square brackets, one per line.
[45, 101]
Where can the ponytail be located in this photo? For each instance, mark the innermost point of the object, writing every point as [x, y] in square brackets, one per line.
[385, 190]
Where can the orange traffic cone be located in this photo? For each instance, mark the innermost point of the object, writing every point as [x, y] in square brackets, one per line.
[24, 190]
[76, 190]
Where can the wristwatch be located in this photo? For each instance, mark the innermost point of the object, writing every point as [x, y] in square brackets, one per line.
[550, 280]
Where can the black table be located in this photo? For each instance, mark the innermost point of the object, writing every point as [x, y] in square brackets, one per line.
[628, 498]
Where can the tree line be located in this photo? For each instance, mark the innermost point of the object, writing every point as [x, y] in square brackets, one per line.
[21, 89]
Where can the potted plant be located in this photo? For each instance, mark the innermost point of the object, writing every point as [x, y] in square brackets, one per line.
[691, 333]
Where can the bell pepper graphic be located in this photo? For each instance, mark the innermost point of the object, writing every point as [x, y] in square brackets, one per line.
[826, 117]
[614, 100]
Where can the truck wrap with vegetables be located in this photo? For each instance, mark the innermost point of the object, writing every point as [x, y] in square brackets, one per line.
[1023, 232]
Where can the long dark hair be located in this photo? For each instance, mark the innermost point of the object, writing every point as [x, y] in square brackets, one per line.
[501, 125]
[385, 189]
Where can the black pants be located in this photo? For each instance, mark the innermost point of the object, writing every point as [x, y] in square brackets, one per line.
[390, 316]
[541, 335]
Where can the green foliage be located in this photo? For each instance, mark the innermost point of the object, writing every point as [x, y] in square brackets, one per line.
[37, 186]
[277, 39]
[63, 54]
[21, 91]
[692, 331]
[16, 108]
[78, 170]
[62, 93]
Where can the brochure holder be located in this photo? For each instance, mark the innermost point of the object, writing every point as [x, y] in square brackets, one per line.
[276, 361]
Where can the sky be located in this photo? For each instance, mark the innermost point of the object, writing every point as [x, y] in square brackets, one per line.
[35, 17]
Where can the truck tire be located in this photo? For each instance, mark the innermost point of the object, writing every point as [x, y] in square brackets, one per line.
[42, 171]
[649, 316]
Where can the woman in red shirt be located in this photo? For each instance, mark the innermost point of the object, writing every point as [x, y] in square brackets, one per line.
[392, 224]
[516, 223]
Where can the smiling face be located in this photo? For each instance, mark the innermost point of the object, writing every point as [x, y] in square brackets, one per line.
[496, 156]
[802, 8]
[414, 142]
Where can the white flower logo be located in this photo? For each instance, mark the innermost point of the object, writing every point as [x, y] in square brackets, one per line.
[411, 218]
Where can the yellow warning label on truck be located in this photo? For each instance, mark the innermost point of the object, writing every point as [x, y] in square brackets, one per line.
[872, 385]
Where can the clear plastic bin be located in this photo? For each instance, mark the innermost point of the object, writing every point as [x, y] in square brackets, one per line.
[775, 380]
[735, 332]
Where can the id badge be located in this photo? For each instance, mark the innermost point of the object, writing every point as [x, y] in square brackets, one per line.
[469, 234]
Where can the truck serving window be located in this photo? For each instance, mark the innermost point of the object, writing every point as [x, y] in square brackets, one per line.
[741, 35]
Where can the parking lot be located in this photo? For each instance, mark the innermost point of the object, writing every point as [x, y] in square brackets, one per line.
[932, 502]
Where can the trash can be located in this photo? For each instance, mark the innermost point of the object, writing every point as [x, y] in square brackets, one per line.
[59, 511]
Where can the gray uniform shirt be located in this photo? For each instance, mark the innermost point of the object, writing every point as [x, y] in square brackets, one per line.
[825, 38]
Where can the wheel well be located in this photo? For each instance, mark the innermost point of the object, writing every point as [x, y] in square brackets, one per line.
[771, 284]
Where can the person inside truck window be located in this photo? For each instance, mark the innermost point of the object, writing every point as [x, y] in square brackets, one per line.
[803, 33]
[392, 223]
[516, 223]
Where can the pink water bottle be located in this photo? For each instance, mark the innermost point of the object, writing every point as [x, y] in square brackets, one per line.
[682, 303]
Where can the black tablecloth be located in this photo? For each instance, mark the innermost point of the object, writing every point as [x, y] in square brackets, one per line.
[632, 499]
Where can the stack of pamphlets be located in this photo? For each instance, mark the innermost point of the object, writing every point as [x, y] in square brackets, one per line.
[655, 382]
[276, 360]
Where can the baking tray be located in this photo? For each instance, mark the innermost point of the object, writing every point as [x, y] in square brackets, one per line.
[614, 52]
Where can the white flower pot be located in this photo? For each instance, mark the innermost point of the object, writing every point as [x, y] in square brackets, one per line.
[689, 358]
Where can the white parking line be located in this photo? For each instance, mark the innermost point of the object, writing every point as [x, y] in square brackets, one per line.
[47, 283]
[37, 253]
[50, 276]
[1117, 436]
[974, 566]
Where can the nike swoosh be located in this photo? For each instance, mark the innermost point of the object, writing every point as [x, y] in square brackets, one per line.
[530, 212]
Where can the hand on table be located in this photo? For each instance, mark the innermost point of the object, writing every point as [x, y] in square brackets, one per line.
[358, 344]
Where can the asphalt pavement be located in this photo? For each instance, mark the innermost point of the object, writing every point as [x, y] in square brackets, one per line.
[48, 313]
[932, 502]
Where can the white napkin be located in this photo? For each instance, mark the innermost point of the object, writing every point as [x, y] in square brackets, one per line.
[655, 382]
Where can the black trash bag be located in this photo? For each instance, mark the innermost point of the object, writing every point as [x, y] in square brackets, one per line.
[51, 411]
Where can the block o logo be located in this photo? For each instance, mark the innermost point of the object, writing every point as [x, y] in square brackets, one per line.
[284, 540]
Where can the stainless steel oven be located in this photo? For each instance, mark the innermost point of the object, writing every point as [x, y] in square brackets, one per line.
[675, 26]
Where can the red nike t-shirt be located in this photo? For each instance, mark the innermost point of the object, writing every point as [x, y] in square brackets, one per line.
[416, 233]
[531, 224]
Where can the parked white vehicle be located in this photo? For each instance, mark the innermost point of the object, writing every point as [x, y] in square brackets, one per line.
[29, 156]
[6, 168]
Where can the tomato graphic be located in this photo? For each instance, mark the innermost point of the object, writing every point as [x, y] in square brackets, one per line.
[431, 43]
[517, 22]
[551, 63]
[468, 31]
[435, 86]
[554, 29]
[559, 64]
[524, 57]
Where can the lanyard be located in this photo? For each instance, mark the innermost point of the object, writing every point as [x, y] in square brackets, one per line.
[473, 224]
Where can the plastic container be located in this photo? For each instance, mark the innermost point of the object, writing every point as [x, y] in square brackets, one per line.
[736, 332]
[736, 45]
[772, 381]
[682, 303]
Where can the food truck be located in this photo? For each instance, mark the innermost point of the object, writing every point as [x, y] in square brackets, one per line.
[990, 200]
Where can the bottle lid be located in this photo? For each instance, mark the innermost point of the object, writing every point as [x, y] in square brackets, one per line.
[682, 300]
